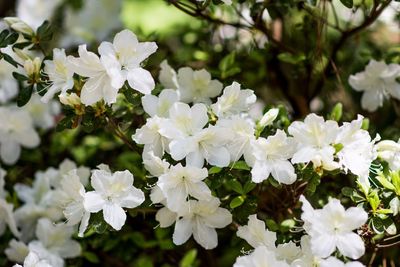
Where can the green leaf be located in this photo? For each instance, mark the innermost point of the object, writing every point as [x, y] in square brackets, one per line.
[347, 191]
[10, 60]
[65, 123]
[337, 112]
[21, 45]
[272, 225]
[214, 170]
[347, 3]
[248, 186]
[236, 202]
[3, 36]
[288, 224]
[19, 76]
[291, 59]
[12, 38]
[44, 32]
[91, 257]
[24, 95]
[377, 225]
[240, 165]
[235, 186]
[384, 182]
[189, 259]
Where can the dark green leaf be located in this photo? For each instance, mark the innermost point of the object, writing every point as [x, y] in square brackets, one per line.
[44, 32]
[24, 95]
[12, 38]
[10, 60]
[347, 3]
[19, 76]
[91, 257]
[248, 186]
[21, 45]
[235, 186]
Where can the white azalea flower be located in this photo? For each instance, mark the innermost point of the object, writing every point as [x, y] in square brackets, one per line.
[333, 262]
[160, 105]
[16, 130]
[272, 157]
[378, 81]
[180, 182]
[129, 53]
[16, 251]
[288, 252]
[8, 84]
[389, 151]
[155, 165]
[200, 219]
[256, 234]
[196, 86]
[43, 114]
[60, 74]
[33, 260]
[67, 165]
[71, 195]
[260, 257]
[233, 101]
[168, 77]
[307, 257]
[152, 137]
[358, 149]
[54, 242]
[113, 191]
[243, 135]
[332, 227]
[35, 12]
[99, 84]
[315, 137]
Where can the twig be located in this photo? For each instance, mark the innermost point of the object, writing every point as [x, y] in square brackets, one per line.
[117, 131]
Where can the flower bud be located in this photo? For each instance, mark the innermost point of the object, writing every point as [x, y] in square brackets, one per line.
[18, 25]
[32, 67]
[70, 99]
[268, 117]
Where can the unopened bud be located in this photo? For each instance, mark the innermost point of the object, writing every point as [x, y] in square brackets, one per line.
[70, 99]
[32, 67]
[18, 25]
[268, 117]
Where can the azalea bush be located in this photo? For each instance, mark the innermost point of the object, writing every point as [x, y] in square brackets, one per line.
[228, 133]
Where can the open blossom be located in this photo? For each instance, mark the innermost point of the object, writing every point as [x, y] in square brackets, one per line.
[233, 101]
[54, 243]
[42, 114]
[99, 84]
[71, 195]
[260, 257]
[126, 54]
[314, 138]
[332, 227]
[33, 260]
[333, 262]
[35, 12]
[113, 192]
[180, 182]
[256, 234]
[272, 157]
[378, 81]
[357, 152]
[168, 77]
[196, 86]
[60, 74]
[16, 251]
[200, 219]
[389, 151]
[16, 130]
[6, 210]
[160, 105]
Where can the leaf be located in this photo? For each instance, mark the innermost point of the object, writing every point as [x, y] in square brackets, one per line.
[248, 186]
[347, 191]
[10, 60]
[24, 95]
[19, 76]
[377, 225]
[21, 45]
[272, 225]
[239, 165]
[3, 36]
[189, 258]
[236, 202]
[347, 3]
[291, 59]
[288, 224]
[91, 257]
[337, 112]
[44, 32]
[12, 38]
[214, 170]
[65, 123]
[235, 186]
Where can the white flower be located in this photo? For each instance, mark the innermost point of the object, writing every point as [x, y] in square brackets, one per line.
[200, 219]
[314, 137]
[268, 117]
[155, 165]
[389, 151]
[180, 182]
[18, 25]
[160, 105]
[33, 260]
[243, 135]
[260, 257]
[35, 12]
[150, 135]
[16, 251]
[333, 262]
[272, 157]
[60, 74]
[168, 77]
[71, 196]
[43, 114]
[99, 84]
[129, 53]
[54, 242]
[307, 258]
[7, 218]
[16, 130]
[233, 101]
[112, 193]
[8, 85]
[67, 165]
[378, 81]
[358, 150]
[288, 252]
[332, 227]
[256, 234]
[197, 86]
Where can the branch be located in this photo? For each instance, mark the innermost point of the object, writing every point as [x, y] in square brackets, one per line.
[121, 135]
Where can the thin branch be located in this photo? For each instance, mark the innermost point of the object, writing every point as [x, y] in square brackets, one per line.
[121, 135]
